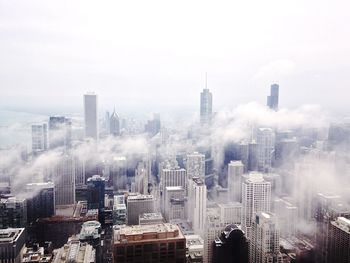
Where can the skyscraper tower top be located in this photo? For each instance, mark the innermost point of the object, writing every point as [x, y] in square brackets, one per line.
[206, 105]
[272, 100]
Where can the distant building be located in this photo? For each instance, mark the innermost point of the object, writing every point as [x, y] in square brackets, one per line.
[39, 138]
[117, 173]
[75, 251]
[114, 124]
[60, 132]
[141, 178]
[231, 246]
[264, 241]
[91, 116]
[230, 213]
[119, 210]
[266, 148]
[151, 218]
[287, 216]
[197, 204]
[235, 171]
[12, 244]
[206, 104]
[272, 100]
[137, 205]
[153, 126]
[256, 197]
[195, 165]
[149, 243]
[13, 212]
[339, 241]
[41, 203]
[174, 203]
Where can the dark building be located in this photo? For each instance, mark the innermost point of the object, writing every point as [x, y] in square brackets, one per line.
[272, 100]
[231, 246]
[42, 202]
[96, 194]
[12, 244]
[60, 132]
[13, 212]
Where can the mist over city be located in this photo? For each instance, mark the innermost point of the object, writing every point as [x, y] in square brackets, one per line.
[152, 131]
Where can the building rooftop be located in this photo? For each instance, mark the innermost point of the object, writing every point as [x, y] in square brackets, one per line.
[90, 229]
[343, 224]
[139, 197]
[151, 216]
[76, 252]
[140, 233]
[10, 235]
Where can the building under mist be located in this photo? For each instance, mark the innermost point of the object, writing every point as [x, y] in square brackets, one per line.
[91, 116]
[206, 103]
[272, 100]
[39, 137]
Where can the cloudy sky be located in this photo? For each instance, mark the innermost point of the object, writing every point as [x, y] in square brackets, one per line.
[156, 53]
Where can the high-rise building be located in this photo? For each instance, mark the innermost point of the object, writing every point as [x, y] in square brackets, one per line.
[206, 106]
[91, 116]
[63, 174]
[119, 210]
[96, 194]
[149, 243]
[75, 251]
[12, 244]
[287, 216]
[60, 132]
[272, 100]
[264, 242]
[230, 213]
[79, 166]
[90, 233]
[151, 218]
[231, 246]
[41, 203]
[39, 137]
[141, 178]
[256, 197]
[339, 241]
[13, 212]
[195, 165]
[137, 205]
[153, 126]
[174, 203]
[234, 178]
[117, 173]
[114, 124]
[266, 148]
[197, 204]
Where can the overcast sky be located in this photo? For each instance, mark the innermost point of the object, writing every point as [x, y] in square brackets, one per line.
[156, 53]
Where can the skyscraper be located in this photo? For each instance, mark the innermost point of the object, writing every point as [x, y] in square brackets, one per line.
[339, 241]
[272, 100]
[197, 204]
[264, 242]
[39, 137]
[206, 106]
[195, 165]
[256, 197]
[141, 178]
[235, 172]
[114, 124]
[60, 132]
[174, 203]
[96, 194]
[137, 205]
[91, 116]
[63, 175]
[266, 148]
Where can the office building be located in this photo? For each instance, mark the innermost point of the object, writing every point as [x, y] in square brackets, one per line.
[266, 148]
[13, 212]
[339, 241]
[137, 205]
[197, 204]
[287, 216]
[206, 102]
[234, 177]
[231, 246]
[117, 173]
[119, 210]
[256, 197]
[79, 166]
[151, 218]
[230, 213]
[96, 195]
[75, 251]
[195, 165]
[39, 138]
[91, 116]
[114, 124]
[149, 243]
[41, 202]
[141, 178]
[63, 174]
[174, 203]
[264, 241]
[153, 126]
[90, 233]
[194, 248]
[272, 100]
[60, 132]
[37, 254]
[12, 244]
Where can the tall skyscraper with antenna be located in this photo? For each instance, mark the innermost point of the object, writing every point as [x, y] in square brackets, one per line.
[206, 105]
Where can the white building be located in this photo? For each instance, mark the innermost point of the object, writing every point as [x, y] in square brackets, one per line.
[197, 204]
[195, 165]
[91, 116]
[141, 178]
[264, 242]
[234, 177]
[265, 139]
[256, 197]
[231, 213]
[206, 104]
[39, 137]
[137, 205]
[63, 175]
[287, 215]
[174, 203]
